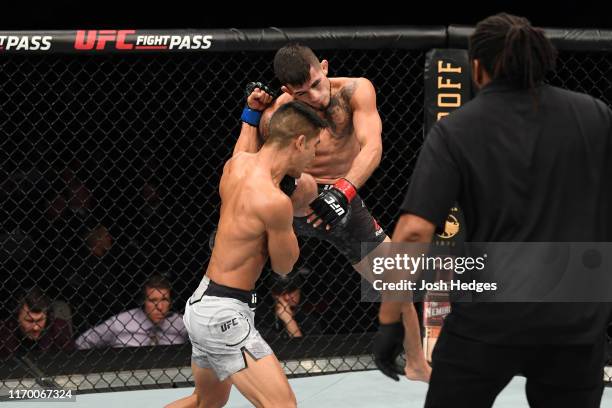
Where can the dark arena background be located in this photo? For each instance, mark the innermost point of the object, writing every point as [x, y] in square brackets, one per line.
[103, 141]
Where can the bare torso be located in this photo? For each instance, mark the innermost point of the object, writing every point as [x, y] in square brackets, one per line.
[240, 250]
[339, 146]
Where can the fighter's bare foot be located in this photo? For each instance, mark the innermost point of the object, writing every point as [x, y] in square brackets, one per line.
[418, 372]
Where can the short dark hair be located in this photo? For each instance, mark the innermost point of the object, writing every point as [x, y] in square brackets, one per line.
[286, 284]
[292, 64]
[510, 48]
[293, 119]
[156, 281]
[35, 300]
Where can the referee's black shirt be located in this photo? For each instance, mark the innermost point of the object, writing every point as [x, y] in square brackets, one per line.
[524, 167]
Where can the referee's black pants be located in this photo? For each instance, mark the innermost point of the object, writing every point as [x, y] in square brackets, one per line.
[468, 373]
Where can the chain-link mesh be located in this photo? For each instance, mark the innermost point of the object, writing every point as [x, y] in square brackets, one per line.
[110, 168]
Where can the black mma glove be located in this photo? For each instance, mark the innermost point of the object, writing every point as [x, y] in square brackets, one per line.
[388, 345]
[288, 185]
[332, 204]
[248, 90]
[253, 116]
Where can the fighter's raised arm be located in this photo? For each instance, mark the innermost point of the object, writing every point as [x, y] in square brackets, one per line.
[260, 99]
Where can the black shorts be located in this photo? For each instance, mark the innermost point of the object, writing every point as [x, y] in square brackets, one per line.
[346, 237]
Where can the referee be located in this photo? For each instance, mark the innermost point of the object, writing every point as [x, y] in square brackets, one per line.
[526, 162]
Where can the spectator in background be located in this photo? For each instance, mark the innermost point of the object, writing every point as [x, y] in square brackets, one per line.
[104, 274]
[149, 325]
[69, 205]
[92, 275]
[153, 220]
[34, 327]
[99, 241]
[72, 195]
[291, 319]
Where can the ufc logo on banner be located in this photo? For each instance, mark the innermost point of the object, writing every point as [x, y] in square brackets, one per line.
[94, 39]
[334, 205]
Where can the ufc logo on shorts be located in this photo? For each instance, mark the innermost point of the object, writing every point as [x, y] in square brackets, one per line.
[225, 326]
[88, 39]
[334, 205]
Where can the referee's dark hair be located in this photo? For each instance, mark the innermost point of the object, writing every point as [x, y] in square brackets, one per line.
[509, 47]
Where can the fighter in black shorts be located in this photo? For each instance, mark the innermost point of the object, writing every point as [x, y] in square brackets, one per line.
[359, 226]
[348, 153]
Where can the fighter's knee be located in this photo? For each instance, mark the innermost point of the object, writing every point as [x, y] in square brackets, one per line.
[216, 403]
[285, 399]
[285, 405]
[309, 185]
[288, 403]
[305, 192]
[307, 188]
[210, 401]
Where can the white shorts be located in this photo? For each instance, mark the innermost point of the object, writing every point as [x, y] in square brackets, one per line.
[221, 328]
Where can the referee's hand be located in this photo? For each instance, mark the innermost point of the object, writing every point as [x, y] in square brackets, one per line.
[388, 345]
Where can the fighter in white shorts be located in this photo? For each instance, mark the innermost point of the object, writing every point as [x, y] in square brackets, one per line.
[256, 223]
